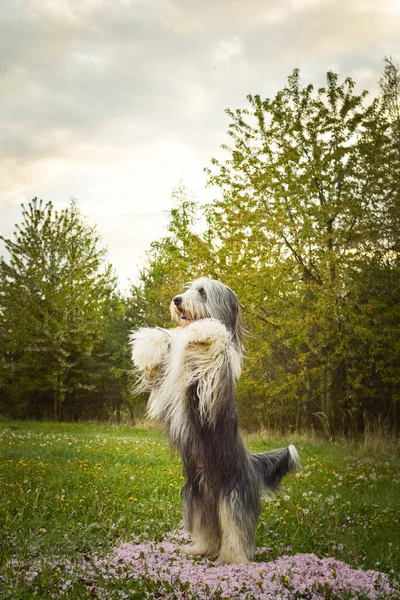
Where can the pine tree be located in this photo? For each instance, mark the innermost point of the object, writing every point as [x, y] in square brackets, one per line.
[53, 289]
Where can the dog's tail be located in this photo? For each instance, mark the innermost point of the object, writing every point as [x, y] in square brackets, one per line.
[274, 465]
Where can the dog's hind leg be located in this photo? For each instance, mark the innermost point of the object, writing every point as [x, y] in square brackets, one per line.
[201, 521]
[237, 523]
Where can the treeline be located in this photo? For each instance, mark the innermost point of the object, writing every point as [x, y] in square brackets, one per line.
[306, 231]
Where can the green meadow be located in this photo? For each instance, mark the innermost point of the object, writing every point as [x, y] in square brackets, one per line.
[71, 492]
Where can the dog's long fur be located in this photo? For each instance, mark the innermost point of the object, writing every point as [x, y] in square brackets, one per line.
[191, 374]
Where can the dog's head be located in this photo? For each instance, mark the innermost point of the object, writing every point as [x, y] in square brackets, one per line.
[208, 298]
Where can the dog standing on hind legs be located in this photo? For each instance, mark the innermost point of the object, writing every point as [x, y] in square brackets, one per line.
[191, 373]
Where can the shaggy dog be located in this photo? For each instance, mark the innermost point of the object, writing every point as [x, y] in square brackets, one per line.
[191, 374]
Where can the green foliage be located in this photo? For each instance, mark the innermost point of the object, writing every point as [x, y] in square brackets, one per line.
[108, 368]
[306, 233]
[54, 302]
[309, 217]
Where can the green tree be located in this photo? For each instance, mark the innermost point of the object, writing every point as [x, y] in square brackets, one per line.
[108, 369]
[53, 289]
[179, 257]
[310, 198]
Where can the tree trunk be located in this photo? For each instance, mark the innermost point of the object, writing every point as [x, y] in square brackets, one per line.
[56, 404]
[395, 416]
[326, 391]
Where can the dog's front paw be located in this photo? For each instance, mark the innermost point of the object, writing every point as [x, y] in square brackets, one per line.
[207, 332]
[192, 550]
[233, 559]
[149, 348]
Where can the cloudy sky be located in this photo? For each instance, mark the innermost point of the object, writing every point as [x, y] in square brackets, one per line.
[114, 101]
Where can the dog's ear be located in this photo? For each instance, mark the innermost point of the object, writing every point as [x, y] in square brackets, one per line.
[236, 325]
[234, 306]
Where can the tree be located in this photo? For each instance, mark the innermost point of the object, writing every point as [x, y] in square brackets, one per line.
[310, 201]
[108, 368]
[53, 290]
[179, 257]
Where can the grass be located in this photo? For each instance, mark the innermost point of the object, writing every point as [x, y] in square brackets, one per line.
[72, 492]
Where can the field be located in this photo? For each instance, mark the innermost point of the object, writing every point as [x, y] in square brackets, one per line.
[91, 511]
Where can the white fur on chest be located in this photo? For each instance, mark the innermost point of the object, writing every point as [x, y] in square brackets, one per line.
[202, 353]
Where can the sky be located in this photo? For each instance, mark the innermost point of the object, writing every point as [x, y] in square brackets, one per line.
[114, 102]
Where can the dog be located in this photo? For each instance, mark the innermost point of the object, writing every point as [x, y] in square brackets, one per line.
[191, 373]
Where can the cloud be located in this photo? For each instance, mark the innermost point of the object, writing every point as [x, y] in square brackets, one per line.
[228, 49]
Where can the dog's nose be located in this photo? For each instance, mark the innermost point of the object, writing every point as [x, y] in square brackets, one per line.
[177, 300]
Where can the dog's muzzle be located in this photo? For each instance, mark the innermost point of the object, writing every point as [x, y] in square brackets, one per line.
[177, 301]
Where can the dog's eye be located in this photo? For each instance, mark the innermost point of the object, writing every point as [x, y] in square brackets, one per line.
[202, 292]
